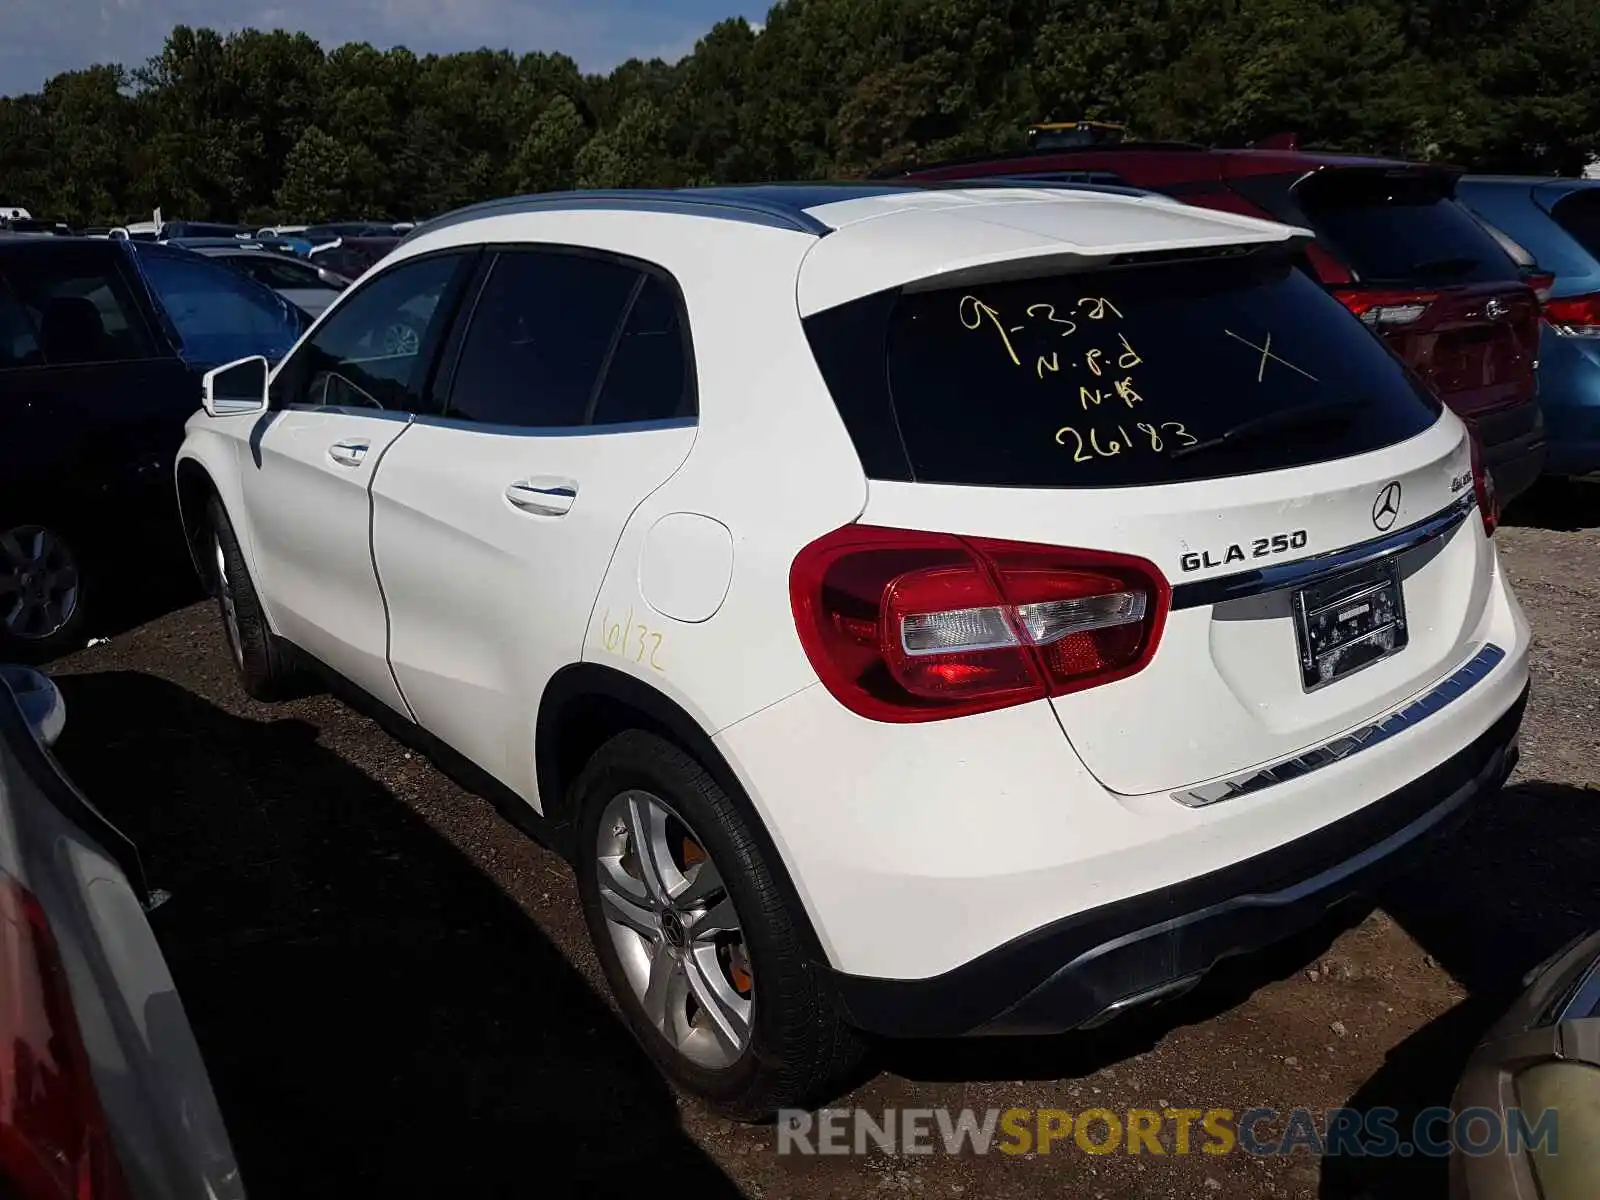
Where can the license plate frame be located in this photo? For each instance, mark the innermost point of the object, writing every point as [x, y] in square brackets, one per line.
[1346, 623]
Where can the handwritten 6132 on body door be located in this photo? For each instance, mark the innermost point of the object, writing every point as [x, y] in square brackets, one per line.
[633, 640]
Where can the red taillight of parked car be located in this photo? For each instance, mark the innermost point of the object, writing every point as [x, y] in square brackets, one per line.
[54, 1143]
[1483, 489]
[903, 625]
[1384, 308]
[1574, 316]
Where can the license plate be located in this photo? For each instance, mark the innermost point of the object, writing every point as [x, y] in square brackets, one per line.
[1347, 622]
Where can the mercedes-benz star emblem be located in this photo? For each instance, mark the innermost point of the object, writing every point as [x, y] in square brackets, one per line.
[1386, 508]
[1495, 309]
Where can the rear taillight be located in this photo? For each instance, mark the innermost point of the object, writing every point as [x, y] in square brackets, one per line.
[1541, 284]
[1574, 316]
[1383, 308]
[903, 625]
[54, 1143]
[1483, 489]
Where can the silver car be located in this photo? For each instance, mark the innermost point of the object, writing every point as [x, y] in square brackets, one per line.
[102, 1089]
[301, 283]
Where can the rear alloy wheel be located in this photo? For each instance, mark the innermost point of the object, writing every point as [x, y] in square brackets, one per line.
[674, 928]
[41, 593]
[700, 946]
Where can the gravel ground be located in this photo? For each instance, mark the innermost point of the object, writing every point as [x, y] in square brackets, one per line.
[396, 996]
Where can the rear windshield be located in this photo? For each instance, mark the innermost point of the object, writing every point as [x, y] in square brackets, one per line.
[1114, 378]
[1579, 215]
[1405, 228]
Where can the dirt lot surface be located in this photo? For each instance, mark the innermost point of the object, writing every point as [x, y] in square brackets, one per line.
[396, 996]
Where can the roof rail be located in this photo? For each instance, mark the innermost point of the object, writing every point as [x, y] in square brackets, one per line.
[1033, 181]
[781, 206]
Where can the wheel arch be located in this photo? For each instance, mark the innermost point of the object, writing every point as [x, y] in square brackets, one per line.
[585, 705]
[195, 489]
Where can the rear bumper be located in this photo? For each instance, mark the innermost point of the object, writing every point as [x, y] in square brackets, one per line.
[1097, 962]
[1513, 442]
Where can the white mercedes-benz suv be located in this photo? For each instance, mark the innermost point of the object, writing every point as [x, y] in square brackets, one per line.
[913, 611]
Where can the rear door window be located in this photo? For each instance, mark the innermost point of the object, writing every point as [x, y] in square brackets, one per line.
[1144, 375]
[1395, 227]
[80, 309]
[1579, 215]
[543, 329]
[19, 345]
[220, 315]
[648, 377]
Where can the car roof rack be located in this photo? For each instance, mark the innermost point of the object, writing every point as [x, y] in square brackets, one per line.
[780, 205]
[1034, 181]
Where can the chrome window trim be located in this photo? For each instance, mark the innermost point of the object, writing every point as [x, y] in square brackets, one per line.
[1203, 592]
[1408, 716]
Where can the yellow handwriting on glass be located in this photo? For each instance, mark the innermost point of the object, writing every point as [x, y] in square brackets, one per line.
[1106, 446]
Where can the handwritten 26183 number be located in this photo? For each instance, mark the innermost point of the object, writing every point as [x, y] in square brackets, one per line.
[1091, 441]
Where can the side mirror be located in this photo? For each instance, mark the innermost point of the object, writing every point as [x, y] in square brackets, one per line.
[236, 389]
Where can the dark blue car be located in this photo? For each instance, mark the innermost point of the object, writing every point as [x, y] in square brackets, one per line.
[102, 345]
[1558, 222]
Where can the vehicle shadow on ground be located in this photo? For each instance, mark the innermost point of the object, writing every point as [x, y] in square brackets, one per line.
[134, 590]
[1510, 889]
[1557, 504]
[378, 1017]
[1077, 1054]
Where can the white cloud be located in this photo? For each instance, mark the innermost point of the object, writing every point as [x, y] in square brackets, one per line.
[43, 37]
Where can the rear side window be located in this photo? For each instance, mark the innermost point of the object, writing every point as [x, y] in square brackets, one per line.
[539, 337]
[1402, 227]
[558, 340]
[1579, 215]
[220, 315]
[1143, 375]
[80, 312]
[19, 345]
[647, 378]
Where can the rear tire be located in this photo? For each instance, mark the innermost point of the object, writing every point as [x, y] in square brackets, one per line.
[796, 1050]
[43, 588]
[261, 658]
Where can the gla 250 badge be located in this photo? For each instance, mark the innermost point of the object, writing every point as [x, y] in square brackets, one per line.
[1265, 547]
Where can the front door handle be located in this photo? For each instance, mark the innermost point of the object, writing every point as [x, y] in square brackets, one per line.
[544, 496]
[350, 453]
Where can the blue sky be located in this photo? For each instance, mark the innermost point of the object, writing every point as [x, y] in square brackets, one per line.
[38, 38]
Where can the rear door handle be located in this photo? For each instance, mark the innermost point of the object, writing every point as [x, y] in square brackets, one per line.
[543, 496]
[350, 453]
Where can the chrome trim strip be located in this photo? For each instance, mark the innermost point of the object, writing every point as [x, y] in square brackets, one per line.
[1203, 592]
[1463, 680]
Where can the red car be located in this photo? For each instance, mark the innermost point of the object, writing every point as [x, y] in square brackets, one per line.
[1391, 242]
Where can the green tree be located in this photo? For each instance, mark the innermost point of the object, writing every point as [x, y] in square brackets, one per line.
[546, 159]
[325, 178]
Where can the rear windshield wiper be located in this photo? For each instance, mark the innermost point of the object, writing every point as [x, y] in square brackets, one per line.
[1442, 267]
[1305, 416]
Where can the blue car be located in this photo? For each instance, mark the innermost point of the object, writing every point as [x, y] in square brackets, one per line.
[102, 348]
[1558, 222]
